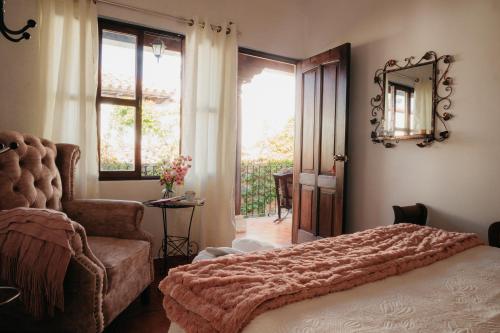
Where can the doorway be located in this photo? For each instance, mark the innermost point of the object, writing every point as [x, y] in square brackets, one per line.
[266, 113]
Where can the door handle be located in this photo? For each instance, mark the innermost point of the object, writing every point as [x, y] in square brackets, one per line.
[340, 158]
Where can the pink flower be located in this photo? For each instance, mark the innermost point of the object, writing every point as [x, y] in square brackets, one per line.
[175, 170]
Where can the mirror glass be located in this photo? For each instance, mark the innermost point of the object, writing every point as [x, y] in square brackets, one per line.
[408, 102]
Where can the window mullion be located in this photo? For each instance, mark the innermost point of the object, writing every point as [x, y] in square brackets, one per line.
[138, 112]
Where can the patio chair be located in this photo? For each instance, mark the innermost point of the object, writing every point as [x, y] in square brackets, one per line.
[283, 182]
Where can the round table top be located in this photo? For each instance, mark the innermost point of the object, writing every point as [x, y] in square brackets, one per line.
[8, 294]
[174, 204]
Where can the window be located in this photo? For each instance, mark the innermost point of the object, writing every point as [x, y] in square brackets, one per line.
[138, 100]
[401, 100]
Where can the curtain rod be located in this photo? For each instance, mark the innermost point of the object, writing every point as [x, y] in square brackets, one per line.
[179, 19]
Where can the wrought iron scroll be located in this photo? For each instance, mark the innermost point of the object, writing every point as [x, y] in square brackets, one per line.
[441, 98]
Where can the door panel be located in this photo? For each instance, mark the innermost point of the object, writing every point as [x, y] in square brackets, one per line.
[308, 121]
[326, 212]
[328, 118]
[320, 133]
[306, 208]
[307, 171]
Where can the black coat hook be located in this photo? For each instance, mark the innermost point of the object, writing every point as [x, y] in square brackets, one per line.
[14, 35]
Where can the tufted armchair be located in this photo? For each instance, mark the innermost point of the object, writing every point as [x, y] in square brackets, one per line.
[112, 264]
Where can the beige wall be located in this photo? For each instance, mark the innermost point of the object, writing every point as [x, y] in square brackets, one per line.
[18, 72]
[457, 180]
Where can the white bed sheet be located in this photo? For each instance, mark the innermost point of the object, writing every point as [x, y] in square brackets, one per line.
[458, 294]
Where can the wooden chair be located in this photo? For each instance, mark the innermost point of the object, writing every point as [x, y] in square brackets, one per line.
[416, 214]
[494, 234]
[283, 182]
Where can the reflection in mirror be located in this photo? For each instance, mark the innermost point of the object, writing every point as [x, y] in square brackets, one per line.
[408, 102]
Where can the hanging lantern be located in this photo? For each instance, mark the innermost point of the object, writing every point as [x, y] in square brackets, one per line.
[158, 47]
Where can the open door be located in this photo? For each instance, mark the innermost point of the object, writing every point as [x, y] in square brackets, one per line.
[320, 144]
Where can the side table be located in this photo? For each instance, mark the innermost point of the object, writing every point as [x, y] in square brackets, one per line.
[176, 243]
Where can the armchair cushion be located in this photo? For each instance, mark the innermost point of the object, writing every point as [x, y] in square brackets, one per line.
[120, 258]
[110, 219]
[128, 268]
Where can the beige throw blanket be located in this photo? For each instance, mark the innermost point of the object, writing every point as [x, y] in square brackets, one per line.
[35, 252]
[225, 294]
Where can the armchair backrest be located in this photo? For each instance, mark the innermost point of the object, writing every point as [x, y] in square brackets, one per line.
[38, 174]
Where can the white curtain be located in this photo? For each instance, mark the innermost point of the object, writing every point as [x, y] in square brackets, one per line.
[209, 128]
[68, 80]
[423, 106]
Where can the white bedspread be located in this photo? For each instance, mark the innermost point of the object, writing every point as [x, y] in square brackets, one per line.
[458, 294]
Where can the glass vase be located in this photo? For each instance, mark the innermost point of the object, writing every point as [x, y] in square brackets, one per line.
[168, 191]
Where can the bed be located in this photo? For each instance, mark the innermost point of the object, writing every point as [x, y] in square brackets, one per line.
[457, 294]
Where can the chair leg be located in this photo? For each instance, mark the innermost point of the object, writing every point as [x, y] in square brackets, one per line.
[146, 296]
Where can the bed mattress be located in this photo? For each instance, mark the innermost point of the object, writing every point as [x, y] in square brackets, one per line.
[458, 294]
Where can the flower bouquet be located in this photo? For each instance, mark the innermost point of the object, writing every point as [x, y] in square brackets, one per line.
[173, 172]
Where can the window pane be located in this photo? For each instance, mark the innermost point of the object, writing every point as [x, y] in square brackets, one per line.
[400, 101]
[117, 137]
[412, 114]
[400, 120]
[161, 92]
[118, 65]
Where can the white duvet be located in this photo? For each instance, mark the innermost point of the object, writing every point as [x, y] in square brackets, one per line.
[460, 294]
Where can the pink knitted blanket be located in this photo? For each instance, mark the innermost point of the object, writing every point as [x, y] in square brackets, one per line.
[35, 251]
[225, 294]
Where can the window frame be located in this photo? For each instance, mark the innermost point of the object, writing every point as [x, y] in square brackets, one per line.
[138, 32]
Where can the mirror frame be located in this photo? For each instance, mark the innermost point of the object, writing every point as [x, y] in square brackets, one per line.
[441, 102]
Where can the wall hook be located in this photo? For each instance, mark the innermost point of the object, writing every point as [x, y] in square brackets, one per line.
[14, 35]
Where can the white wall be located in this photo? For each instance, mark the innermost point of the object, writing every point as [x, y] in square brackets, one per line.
[18, 104]
[458, 180]
[273, 26]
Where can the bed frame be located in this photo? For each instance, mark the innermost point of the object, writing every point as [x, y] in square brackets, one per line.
[494, 234]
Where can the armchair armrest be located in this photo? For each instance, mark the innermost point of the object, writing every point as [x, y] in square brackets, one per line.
[108, 218]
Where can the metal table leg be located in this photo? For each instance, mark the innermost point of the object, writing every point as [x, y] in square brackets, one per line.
[165, 240]
[188, 245]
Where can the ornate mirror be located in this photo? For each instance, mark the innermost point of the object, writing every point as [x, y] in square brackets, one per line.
[414, 101]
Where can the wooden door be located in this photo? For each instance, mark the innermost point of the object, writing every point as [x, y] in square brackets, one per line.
[320, 144]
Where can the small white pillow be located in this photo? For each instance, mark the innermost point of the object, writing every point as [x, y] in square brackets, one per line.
[250, 245]
[214, 252]
[222, 251]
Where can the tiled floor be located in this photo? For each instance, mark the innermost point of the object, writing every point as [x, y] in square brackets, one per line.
[263, 228]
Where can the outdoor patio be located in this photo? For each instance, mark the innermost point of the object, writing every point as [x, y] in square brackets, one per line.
[264, 229]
